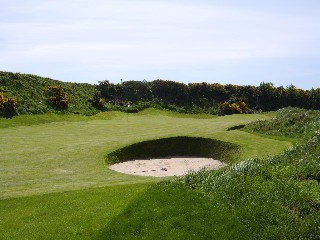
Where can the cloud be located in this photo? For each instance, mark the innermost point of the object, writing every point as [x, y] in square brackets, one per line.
[146, 35]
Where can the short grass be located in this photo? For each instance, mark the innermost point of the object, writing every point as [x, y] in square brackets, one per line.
[68, 215]
[70, 154]
[172, 212]
[55, 184]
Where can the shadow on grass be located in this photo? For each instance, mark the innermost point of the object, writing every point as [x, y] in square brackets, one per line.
[237, 127]
[176, 146]
[65, 215]
[173, 212]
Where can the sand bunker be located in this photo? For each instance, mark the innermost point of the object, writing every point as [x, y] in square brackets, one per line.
[164, 167]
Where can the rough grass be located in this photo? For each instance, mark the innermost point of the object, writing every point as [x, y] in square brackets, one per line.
[289, 122]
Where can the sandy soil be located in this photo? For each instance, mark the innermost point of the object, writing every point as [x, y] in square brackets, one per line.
[175, 166]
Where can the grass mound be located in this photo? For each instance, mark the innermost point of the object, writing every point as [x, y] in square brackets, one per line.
[289, 122]
[176, 146]
[275, 198]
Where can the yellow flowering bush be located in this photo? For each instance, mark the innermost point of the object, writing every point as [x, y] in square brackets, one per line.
[236, 107]
[58, 98]
[8, 106]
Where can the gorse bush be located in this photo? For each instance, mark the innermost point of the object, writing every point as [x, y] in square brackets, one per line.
[237, 106]
[58, 98]
[225, 99]
[8, 106]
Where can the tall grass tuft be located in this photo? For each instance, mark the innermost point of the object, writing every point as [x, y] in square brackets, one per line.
[289, 122]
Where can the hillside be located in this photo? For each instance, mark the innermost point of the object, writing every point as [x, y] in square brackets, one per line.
[33, 96]
[30, 92]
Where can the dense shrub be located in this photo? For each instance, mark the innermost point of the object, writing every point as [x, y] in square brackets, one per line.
[58, 98]
[205, 97]
[31, 92]
[8, 106]
[233, 107]
[188, 98]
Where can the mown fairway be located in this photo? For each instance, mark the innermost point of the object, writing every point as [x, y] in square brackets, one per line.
[43, 162]
[68, 155]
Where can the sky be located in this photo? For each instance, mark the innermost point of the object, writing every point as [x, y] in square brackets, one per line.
[219, 41]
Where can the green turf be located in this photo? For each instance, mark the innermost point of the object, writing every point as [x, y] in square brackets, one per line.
[172, 212]
[69, 215]
[55, 185]
[69, 155]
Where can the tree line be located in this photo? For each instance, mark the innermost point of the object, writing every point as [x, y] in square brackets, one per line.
[25, 93]
[224, 99]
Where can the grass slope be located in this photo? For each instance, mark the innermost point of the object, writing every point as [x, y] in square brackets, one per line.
[30, 91]
[289, 122]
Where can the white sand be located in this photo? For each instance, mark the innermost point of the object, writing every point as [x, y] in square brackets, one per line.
[175, 166]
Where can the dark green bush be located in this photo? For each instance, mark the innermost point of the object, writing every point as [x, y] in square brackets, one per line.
[8, 106]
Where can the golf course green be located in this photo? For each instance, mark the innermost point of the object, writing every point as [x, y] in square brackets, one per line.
[55, 183]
